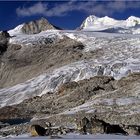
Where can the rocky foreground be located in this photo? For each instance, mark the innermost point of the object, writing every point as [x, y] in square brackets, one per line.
[114, 102]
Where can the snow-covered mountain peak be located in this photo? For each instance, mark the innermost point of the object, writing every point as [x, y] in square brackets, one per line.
[133, 18]
[92, 18]
[106, 18]
[33, 27]
[132, 21]
[89, 21]
[97, 22]
[103, 23]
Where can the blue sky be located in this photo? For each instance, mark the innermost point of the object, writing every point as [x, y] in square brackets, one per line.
[65, 14]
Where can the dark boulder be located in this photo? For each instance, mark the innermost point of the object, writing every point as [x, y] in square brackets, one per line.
[114, 129]
[37, 130]
[132, 129]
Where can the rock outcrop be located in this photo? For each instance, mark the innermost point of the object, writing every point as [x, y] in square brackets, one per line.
[37, 26]
[94, 126]
[4, 37]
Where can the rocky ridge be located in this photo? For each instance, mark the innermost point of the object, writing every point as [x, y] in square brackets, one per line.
[37, 26]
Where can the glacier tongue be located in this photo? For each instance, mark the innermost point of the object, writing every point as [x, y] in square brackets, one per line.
[50, 82]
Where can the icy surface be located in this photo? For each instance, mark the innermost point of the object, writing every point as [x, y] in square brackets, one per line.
[120, 55]
[35, 39]
[47, 82]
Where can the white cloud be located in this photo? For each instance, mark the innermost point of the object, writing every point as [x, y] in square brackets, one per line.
[90, 7]
[38, 8]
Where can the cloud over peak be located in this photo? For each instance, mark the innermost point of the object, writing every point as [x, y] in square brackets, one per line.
[38, 8]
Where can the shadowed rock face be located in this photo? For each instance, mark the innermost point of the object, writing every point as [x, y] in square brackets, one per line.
[4, 37]
[95, 125]
[37, 26]
[37, 130]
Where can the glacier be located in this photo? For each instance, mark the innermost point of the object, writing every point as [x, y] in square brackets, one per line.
[120, 58]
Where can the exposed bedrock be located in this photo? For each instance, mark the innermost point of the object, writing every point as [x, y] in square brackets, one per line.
[37, 26]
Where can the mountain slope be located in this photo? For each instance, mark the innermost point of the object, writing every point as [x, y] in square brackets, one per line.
[61, 75]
